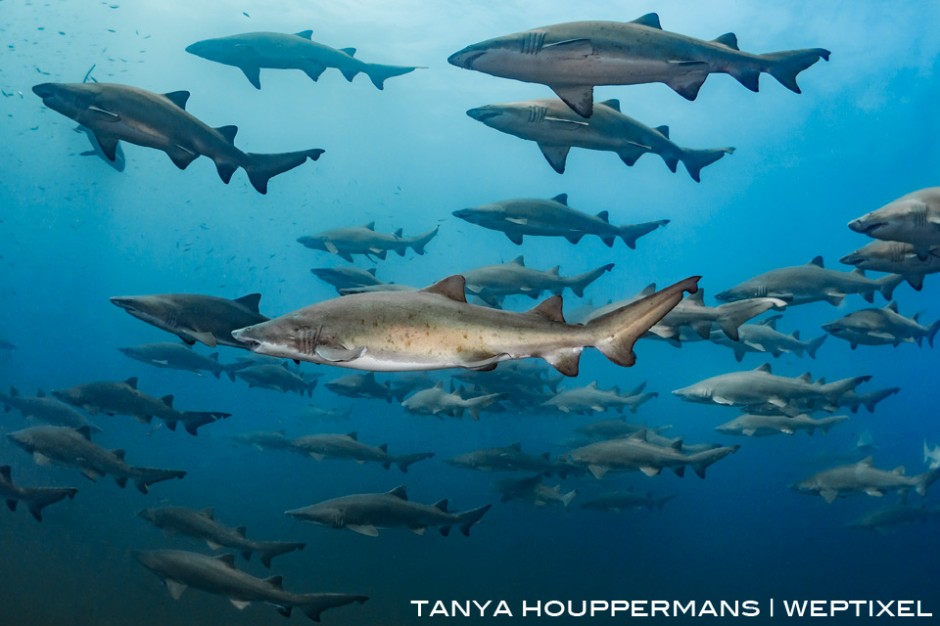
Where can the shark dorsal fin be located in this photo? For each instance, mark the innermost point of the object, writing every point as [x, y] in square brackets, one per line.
[639, 435]
[763, 368]
[350, 51]
[676, 444]
[208, 512]
[228, 132]
[650, 289]
[452, 287]
[131, 382]
[650, 20]
[868, 460]
[806, 378]
[399, 492]
[275, 581]
[555, 270]
[228, 559]
[515, 446]
[168, 400]
[370, 226]
[604, 216]
[178, 98]
[306, 34]
[398, 233]
[371, 270]
[84, 431]
[441, 505]
[613, 103]
[353, 435]
[892, 306]
[663, 130]
[5, 472]
[118, 452]
[817, 261]
[250, 302]
[383, 447]
[549, 309]
[592, 384]
[771, 322]
[439, 385]
[697, 298]
[728, 40]
[561, 198]
[519, 260]
[240, 531]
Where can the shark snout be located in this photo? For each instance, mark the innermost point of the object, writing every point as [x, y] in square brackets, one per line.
[242, 335]
[45, 90]
[123, 302]
[481, 114]
[465, 58]
[866, 227]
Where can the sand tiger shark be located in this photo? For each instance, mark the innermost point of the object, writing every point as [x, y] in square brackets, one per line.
[115, 112]
[556, 129]
[35, 498]
[913, 219]
[250, 52]
[573, 57]
[435, 328]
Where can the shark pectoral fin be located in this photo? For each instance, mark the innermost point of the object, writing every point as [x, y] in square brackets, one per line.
[688, 83]
[521, 221]
[777, 402]
[787, 431]
[875, 493]
[175, 588]
[597, 471]
[362, 529]
[109, 146]
[241, 605]
[317, 457]
[556, 156]
[650, 471]
[419, 530]
[253, 74]
[579, 97]
[829, 495]
[338, 354]
[204, 337]
[834, 299]
[722, 400]
[749, 432]
[213, 545]
[331, 247]
[313, 70]
[516, 238]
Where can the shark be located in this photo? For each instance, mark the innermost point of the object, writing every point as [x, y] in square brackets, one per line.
[535, 217]
[492, 283]
[881, 326]
[35, 498]
[812, 282]
[913, 219]
[194, 317]
[74, 448]
[896, 258]
[765, 425]
[118, 398]
[864, 477]
[364, 386]
[217, 575]
[368, 512]
[556, 129]
[532, 490]
[363, 240]
[174, 356]
[435, 328]
[762, 337]
[895, 515]
[203, 525]
[573, 57]
[117, 113]
[278, 378]
[591, 399]
[252, 52]
[438, 402]
[347, 277]
[932, 457]
[48, 409]
[509, 458]
[348, 447]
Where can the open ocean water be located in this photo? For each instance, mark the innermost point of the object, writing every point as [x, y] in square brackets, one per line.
[74, 232]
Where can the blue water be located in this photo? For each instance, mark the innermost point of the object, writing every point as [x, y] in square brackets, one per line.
[74, 232]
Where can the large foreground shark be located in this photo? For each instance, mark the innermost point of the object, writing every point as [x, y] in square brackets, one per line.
[435, 328]
[250, 52]
[115, 112]
[572, 58]
[556, 129]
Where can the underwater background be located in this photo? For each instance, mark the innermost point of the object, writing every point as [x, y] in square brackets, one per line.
[74, 232]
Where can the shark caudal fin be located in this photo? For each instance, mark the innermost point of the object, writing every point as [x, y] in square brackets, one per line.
[632, 232]
[41, 498]
[263, 167]
[379, 73]
[146, 476]
[422, 240]
[313, 604]
[475, 405]
[615, 333]
[813, 345]
[925, 480]
[701, 460]
[784, 66]
[580, 282]
[695, 160]
[468, 519]
[839, 387]
[932, 332]
[407, 460]
[267, 550]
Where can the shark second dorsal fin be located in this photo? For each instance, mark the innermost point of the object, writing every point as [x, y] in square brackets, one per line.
[353, 435]
[613, 103]
[250, 302]
[178, 98]
[350, 51]
[119, 453]
[131, 382]
[519, 260]
[440, 385]
[561, 198]
[85, 431]
[604, 216]
[399, 492]
[370, 226]
[306, 34]
[650, 20]
[728, 40]
[549, 309]
[452, 287]
[441, 505]
[817, 261]
[275, 581]
[228, 132]
[763, 368]
[228, 559]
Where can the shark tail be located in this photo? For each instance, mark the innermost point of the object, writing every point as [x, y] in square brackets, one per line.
[887, 284]
[839, 387]
[925, 480]
[642, 399]
[813, 346]
[481, 402]
[468, 519]
[263, 167]
[379, 73]
[932, 332]
[701, 460]
[872, 401]
[41, 498]
[146, 476]
[422, 240]
[313, 604]
[632, 232]
[267, 550]
[580, 282]
[615, 333]
[407, 460]
[784, 66]
[695, 160]
[309, 387]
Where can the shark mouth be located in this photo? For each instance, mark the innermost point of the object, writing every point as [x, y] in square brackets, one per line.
[866, 229]
[250, 342]
[482, 114]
